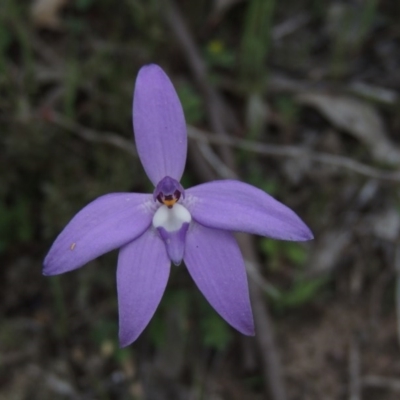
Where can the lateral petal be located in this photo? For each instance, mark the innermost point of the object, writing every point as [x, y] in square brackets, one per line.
[216, 265]
[105, 224]
[142, 275]
[237, 206]
[159, 125]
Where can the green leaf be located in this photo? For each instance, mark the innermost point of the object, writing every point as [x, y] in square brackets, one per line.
[276, 250]
[83, 5]
[191, 103]
[216, 332]
[218, 55]
[296, 253]
[288, 109]
[301, 293]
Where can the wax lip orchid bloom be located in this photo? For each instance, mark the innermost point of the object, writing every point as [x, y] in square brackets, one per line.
[172, 224]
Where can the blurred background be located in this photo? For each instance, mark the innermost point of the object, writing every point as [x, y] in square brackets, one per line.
[297, 97]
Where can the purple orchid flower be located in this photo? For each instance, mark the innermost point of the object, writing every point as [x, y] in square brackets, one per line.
[172, 224]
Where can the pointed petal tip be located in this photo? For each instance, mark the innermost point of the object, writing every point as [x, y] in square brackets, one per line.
[126, 340]
[151, 68]
[303, 235]
[50, 265]
[150, 72]
[309, 236]
[246, 327]
[48, 268]
[249, 331]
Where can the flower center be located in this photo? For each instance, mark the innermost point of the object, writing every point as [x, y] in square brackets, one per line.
[172, 224]
[169, 200]
[171, 219]
[168, 191]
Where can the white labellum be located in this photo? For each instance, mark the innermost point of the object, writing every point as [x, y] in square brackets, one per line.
[171, 219]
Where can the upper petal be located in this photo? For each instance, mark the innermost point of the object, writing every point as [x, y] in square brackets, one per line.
[159, 125]
[103, 225]
[237, 206]
[216, 265]
[142, 275]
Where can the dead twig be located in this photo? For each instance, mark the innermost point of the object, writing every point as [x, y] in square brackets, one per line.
[199, 135]
[290, 26]
[215, 111]
[354, 371]
[212, 101]
[267, 287]
[381, 382]
[91, 135]
[274, 150]
[397, 270]
[215, 162]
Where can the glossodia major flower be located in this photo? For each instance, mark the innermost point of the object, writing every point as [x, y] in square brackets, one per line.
[172, 224]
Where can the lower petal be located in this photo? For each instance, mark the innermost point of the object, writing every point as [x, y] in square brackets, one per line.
[216, 265]
[142, 275]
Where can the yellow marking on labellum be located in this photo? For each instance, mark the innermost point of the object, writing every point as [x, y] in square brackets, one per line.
[72, 247]
[170, 203]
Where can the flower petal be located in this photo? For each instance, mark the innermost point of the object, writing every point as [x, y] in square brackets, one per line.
[142, 275]
[174, 242]
[172, 224]
[237, 206]
[216, 265]
[159, 125]
[105, 224]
